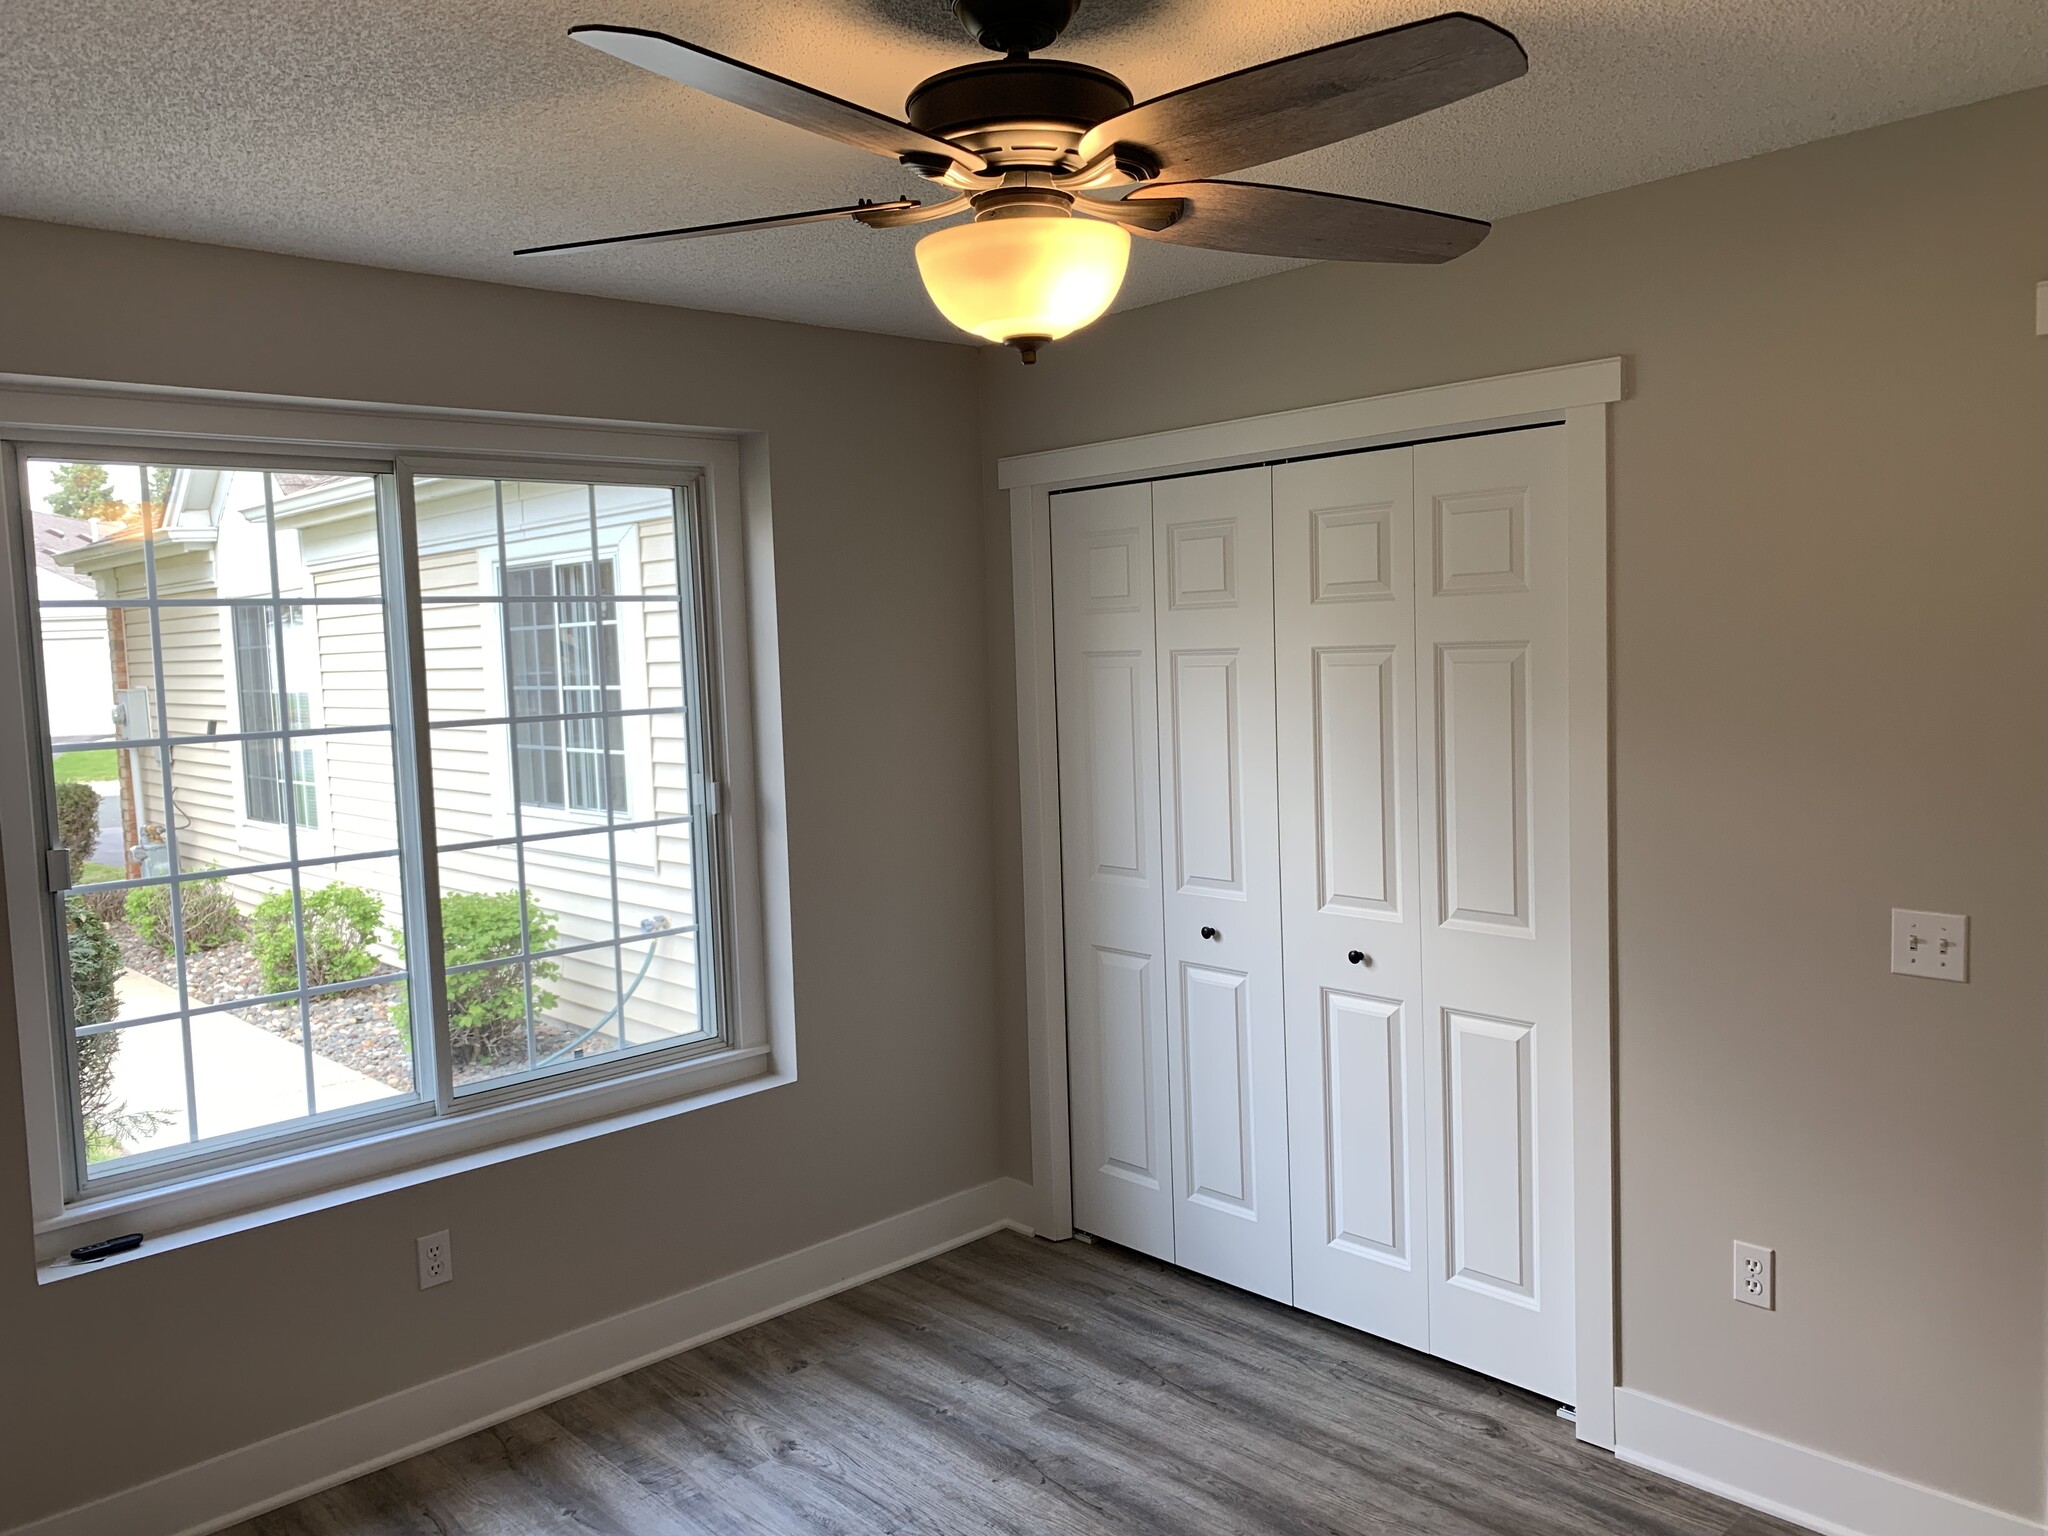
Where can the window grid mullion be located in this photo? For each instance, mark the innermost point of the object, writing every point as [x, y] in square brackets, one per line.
[604, 771]
[163, 711]
[279, 999]
[405, 631]
[518, 791]
[108, 604]
[288, 789]
[222, 738]
[482, 844]
[697, 637]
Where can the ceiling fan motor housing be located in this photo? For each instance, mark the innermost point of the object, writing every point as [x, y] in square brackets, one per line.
[1015, 26]
[1016, 91]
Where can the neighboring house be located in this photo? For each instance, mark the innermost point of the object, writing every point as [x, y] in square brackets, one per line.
[75, 658]
[314, 660]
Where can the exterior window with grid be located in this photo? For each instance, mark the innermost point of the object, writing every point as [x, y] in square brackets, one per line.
[265, 789]
[563, 653]
[320, 679]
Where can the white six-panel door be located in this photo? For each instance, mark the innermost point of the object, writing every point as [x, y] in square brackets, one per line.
[1106, 678]
[1344, 616]
[1213, 556]
[1490, 684]
[1313, 804]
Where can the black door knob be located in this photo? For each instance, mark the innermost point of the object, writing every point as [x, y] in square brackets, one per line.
[1357, 957]
[1210, 933]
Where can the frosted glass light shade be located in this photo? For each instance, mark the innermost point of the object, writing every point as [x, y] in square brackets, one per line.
[1006, 279]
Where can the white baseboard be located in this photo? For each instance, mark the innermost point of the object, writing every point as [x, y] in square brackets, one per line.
[215, 1494]
[1807, 1487]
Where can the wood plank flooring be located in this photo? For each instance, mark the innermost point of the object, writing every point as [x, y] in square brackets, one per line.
[1033, 1388]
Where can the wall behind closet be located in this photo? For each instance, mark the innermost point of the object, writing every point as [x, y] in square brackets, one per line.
[1830, 553]
[878, 564]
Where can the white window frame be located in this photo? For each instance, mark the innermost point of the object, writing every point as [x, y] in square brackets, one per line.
[737, 798]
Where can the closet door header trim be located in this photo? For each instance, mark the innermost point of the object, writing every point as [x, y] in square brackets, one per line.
[1510, 400]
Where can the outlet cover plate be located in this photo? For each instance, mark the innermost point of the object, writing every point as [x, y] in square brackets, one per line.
[1756, 1276]
[1932, 944]
[437, 1260]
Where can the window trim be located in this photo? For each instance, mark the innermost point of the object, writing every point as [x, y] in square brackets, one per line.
[736, 623]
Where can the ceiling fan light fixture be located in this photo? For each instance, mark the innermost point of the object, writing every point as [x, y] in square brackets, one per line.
[1024, 281]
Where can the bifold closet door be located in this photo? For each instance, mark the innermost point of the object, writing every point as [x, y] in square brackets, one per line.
[1344, 600]
[1491, 679]
[1105, 670]
[1327, 702]
[1226, 1032]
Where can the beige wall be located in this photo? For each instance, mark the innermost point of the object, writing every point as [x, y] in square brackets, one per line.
[1830, 542]
[115, 1377]
[1830, 531]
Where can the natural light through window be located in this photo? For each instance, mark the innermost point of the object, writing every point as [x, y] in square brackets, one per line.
[260, 883]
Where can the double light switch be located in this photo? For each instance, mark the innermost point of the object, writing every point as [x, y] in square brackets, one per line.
[1935, 944]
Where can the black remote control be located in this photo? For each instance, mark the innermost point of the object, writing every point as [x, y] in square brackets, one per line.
[106, 1249]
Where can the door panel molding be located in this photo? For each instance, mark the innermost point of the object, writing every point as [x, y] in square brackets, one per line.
[1366, 1110]
[1482, 785]
[1357, 834]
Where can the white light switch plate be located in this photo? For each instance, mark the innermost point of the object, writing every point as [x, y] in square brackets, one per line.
[1935, 944]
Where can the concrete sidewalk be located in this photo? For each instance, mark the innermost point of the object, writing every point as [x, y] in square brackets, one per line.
[244, 1076]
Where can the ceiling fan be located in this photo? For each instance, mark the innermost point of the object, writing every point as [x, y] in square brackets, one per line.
[1058, 164]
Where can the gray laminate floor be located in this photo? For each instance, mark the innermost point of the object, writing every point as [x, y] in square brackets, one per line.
[1028, 1387]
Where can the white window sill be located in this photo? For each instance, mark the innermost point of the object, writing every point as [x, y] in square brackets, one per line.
[238, 1199]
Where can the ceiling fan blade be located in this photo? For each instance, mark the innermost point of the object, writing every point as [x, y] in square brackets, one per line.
[1316, 226]
[1307, 100]
[730, 226]
[771, 95]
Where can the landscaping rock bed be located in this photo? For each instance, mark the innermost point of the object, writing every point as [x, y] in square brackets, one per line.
[354, 1028]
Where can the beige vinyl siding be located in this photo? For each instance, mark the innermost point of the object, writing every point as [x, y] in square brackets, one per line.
[205, 811]
[471, 764]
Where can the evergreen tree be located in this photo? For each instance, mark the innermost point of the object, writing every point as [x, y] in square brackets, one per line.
[83, 490]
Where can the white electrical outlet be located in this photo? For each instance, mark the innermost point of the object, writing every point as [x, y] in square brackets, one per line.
[1756, 1276]
[1935, 944]
[437, 1260]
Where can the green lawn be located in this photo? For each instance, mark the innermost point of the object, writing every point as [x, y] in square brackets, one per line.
[90, 873]
[86, 767]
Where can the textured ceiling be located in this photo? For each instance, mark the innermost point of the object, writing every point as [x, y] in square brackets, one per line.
[436, 135]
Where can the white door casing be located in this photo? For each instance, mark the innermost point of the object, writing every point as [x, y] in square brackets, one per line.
[1493, 726]
[1344, 615]
[1104, 658]
[1213, 556]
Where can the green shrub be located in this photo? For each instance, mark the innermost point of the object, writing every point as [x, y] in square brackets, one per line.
[487, 1008]
[95, 964]
[341, 922]
[211, 916]
[95, 968]
[78, 819]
